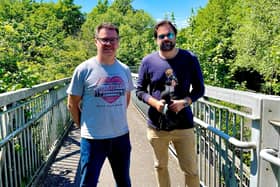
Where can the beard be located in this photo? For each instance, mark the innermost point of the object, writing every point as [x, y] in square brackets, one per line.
[167, 46]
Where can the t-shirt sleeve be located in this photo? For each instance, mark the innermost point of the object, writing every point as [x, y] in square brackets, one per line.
[76, 84]
[130, 81]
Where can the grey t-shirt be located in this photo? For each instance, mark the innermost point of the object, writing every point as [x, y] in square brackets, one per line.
[103, 89]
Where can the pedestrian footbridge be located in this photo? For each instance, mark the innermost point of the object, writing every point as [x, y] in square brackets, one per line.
[237, 134]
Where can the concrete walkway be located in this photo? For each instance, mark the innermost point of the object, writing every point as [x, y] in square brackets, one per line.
[63, 171]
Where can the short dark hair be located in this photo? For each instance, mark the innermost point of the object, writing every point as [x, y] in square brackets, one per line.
[163, 22]
[109, 26]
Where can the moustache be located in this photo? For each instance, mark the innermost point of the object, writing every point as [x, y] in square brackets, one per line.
[167, 46]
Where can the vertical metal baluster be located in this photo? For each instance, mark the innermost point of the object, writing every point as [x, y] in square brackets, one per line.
[220, 148]
[241, 152]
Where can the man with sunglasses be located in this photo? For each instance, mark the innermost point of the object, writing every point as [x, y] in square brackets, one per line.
[98, 96]
[169, 81]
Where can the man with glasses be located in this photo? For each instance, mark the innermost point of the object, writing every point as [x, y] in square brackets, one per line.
[98, 96]
[169, 81]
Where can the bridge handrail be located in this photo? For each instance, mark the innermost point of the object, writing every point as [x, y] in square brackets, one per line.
[33, 122]
[275, 122]
[228, 138]
[26, 125]
[13, 96]
[268, 155]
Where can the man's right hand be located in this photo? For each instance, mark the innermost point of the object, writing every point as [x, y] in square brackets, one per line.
[74, 108]
[160, 105]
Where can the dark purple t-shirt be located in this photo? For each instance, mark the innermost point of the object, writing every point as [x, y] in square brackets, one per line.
[152, 82]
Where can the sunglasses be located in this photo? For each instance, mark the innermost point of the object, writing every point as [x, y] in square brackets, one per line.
[169, 35]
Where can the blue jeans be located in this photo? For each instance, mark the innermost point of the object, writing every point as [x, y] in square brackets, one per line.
[93, 154]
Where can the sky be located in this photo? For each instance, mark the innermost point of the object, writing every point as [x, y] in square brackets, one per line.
[157, 8]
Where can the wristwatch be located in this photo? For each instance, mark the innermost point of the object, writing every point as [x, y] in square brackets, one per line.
[186, 103]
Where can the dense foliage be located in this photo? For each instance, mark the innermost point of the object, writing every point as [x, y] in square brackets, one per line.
[135, 26]
[34, 41]
[237, 41]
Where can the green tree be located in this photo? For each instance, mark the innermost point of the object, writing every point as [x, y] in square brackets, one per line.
[12, 33]
[33, 36]
[71, 16]
[257, 42]
[209, 36]
[135, 29]
[123, 6]
[237, 43]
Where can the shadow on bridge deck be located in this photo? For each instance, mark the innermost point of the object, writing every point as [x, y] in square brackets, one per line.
[63, 171]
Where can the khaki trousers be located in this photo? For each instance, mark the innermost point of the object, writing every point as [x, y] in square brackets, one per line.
[184, 144]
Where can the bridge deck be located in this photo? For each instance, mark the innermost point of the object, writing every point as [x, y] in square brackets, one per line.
[63, 171]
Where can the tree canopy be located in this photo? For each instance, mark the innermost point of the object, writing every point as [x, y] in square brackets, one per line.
[236, 41]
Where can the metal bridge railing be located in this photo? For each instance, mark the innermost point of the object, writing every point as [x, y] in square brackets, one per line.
[32, 121]
[233, 133]
[224, 143]
[238, 138]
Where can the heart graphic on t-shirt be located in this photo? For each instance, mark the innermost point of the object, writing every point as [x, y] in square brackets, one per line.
[112, 88]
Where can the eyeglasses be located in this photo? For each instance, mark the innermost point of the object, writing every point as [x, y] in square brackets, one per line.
[169, 35]
[107, 40]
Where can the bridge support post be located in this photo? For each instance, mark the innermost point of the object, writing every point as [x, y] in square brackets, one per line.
[270, 139]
